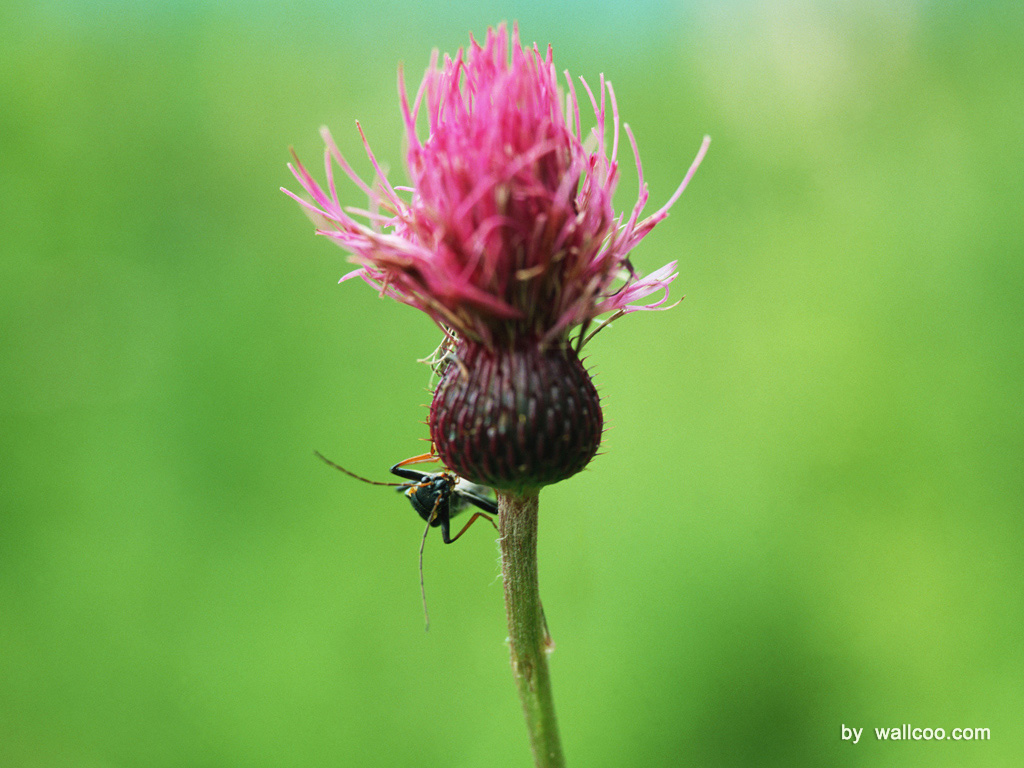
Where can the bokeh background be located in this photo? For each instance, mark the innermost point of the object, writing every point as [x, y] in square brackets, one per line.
[808, 509]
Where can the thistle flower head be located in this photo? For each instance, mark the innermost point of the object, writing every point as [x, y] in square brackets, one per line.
[508, 231]
[508, 239]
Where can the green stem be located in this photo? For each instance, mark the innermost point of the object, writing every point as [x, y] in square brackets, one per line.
[527, 632]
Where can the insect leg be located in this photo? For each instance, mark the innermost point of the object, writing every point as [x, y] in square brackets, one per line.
[409, 474]
[444, 527]
[423, 457]
[487, 505]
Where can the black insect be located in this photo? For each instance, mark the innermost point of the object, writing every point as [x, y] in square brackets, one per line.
[437, 497]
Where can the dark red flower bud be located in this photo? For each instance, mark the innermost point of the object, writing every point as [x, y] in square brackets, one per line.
[515, 418]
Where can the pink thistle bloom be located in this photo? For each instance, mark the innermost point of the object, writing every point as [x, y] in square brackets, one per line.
[508, 230]
[508, 239]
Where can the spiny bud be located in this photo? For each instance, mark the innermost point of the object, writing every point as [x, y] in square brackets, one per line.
[515, 418]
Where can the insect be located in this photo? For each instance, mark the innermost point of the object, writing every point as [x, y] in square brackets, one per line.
[437, 497]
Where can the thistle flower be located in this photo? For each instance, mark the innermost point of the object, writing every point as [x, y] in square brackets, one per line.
[507, 238]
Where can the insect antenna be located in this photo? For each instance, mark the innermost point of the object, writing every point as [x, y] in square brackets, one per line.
[423, 543]
[340, 468]
[423, 587]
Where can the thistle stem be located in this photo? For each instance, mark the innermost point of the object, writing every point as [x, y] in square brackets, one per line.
[527, 632]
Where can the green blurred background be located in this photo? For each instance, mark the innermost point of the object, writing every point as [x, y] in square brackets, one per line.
[807, 512]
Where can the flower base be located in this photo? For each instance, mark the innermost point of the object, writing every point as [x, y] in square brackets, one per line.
[515, 419]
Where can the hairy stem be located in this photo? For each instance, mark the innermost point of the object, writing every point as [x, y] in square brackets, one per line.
[527, 631]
